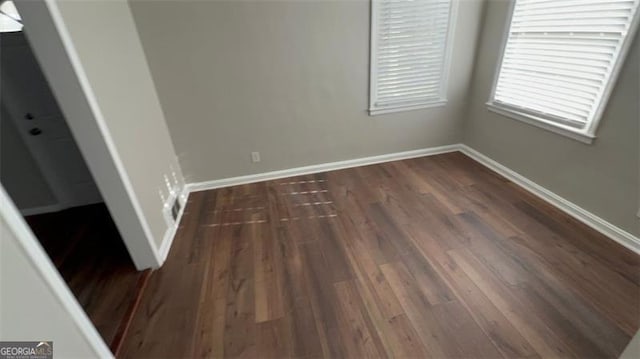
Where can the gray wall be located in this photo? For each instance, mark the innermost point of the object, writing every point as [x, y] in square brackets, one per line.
[632, 351]
[286, 78]
[106, 41]
[19, 172]
[602, 177]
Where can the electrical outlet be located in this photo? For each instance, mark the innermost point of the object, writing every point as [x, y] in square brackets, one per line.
[255, 157]
[172, 198]
[175, 209]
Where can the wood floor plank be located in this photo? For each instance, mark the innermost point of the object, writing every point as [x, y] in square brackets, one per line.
[268, 274]
[355, 325]
[419, 312]
[273, 339]
[323, 298]
[427, 279]
[300, 321]
[609, 337]
[499, 329]
[591, 243]
[306, 341]
[240, 319]
[469, 338]
[558, 324]
[543, 340]
[496, 326]
[484, 239]
[390, 230]
[396, 333]
[403, 339]
[358, 221]
[209, 340]
[610, 294]
[417, 178]
[369, 275]
[429, 257]
[294, 275]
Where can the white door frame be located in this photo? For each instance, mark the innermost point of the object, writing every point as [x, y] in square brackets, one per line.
[42, 264]
[61, 65]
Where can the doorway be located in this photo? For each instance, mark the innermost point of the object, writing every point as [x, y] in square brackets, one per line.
[46, 176]
[39, 145]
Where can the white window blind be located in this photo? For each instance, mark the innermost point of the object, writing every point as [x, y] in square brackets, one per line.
[559, 59]
[409, 54]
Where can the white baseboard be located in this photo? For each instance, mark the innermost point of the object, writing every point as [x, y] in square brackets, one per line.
[615, 233]
[43, 209]
[324, 167]
[169, 235]
[56, 207]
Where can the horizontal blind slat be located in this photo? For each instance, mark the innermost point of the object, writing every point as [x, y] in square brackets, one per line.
[407, 101]
[555, 71]
[578, 82]
[392, 91]
[576, 5]
[558, 58]
[540, 106]
[585, 92]
[565, 99]
[564, 67]
[407, 82]
[592, 14]
[579, 97]
[516, 90]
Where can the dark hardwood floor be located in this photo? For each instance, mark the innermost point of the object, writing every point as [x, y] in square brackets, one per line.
[429, 257]
[86, 248]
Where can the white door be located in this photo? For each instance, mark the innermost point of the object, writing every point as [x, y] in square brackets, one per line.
[31, 105]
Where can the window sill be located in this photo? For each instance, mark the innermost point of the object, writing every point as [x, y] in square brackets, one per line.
[382, 111]
[559, 129]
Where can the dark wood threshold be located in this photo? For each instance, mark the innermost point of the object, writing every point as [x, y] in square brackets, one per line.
[125, 324]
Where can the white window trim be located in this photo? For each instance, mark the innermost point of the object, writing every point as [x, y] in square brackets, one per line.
[586, 135]
[453, 16]
[382, 111]
[555, 127]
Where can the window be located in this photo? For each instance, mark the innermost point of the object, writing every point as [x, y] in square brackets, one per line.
[10, 20]
[560, 61]
[410, 42]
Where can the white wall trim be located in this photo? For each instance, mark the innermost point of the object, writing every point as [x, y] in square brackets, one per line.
[575, 134]
[386, 110]
[45, 268]
[170, 234]
[43, 209]
[323, 167]
[615, 233]
[55, 207]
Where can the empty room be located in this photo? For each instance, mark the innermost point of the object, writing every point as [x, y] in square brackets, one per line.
[319, 178]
